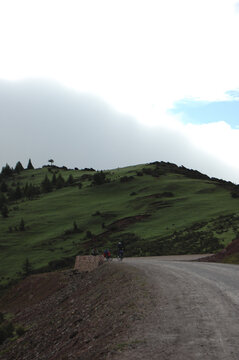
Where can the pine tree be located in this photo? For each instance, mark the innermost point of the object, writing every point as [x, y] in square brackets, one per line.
[17, 193]
[3, 187]
[6, 171]
[22, 225]
[4, 211]
[70, 180]
[46, 185]
[30, 191]
[60, 182]
[3, 200]
[53, 180]
[75, 227]
[30, 166]
[18, 167]
[27, 267]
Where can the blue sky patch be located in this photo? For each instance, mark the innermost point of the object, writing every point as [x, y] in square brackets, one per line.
[199, 112]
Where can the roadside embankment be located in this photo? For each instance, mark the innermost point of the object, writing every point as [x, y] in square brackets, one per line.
[72, 315]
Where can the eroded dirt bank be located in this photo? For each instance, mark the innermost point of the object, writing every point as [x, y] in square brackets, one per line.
[76, 316]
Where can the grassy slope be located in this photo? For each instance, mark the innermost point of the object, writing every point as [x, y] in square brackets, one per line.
[193, 201]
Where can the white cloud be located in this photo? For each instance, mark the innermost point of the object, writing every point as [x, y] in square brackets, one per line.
[134, 54]
[216, 139]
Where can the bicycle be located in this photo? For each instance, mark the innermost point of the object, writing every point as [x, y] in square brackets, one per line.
[120, 255]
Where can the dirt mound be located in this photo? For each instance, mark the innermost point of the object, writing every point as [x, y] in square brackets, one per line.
[70, 315]
[231, 249]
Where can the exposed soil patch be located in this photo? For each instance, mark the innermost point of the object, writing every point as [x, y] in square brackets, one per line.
[71, 315]
[117, 225]
[159, 195]
[125, 222]
[206, 191]
[231, 249]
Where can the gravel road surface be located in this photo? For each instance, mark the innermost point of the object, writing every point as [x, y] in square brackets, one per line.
[195, 313]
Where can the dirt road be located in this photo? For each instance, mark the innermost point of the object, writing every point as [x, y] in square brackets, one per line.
[196, 312]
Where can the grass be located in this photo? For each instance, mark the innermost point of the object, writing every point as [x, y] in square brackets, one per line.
[173, 201]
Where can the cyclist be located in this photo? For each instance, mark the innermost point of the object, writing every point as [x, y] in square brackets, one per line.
[107, 254]
[121, 249]
[94, 252]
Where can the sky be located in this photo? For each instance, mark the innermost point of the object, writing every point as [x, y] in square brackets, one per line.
[111, 83]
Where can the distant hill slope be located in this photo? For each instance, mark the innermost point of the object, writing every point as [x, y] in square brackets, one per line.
[54, 214]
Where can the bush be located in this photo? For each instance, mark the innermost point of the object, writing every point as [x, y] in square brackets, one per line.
[61, 264]
[156, 172]
[22, 225]
[97, 213]
[88, 234]
[6, 331]
[99, 178]
[60, 182]
[4, 211]
[126, 179]
[46, 185]
[20, 330]
[27, 267]
[1, 317]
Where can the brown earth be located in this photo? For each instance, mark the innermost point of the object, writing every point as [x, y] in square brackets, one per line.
[71, 315]
[231, 249]
[117, 225]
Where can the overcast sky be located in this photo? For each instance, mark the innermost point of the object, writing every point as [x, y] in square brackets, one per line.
[113, 83]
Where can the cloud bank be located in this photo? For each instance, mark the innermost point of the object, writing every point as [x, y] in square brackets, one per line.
[42, 120]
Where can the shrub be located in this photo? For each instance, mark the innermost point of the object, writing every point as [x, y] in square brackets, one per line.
[3, 187]
[1, 317]
[99, 178]
[60, 182]
[4, 211]
[61, 264]
[46, 185]
[6, 331]
[97, 213]
[88, 234]
[156, 172]
[126, 179]
[22, 225]
[70, 180]
[88, 169]
[27, 267]
[20, 330]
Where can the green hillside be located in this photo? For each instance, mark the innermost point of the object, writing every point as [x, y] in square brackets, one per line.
[51, 214]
